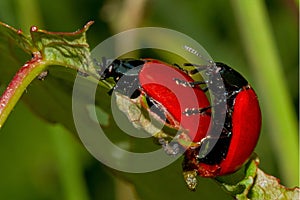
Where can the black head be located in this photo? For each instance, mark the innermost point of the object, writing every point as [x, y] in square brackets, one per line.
[120, 67]
[125, 74]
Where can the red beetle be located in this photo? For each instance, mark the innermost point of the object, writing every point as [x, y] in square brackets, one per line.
[179, 99]
[240, 131]
[156, 81]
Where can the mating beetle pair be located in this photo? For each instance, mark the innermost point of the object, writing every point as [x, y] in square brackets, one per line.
[180, 100]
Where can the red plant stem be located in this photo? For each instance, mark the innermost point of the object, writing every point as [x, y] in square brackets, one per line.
[18, 84]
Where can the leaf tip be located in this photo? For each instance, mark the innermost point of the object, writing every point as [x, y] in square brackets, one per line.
[88, 24]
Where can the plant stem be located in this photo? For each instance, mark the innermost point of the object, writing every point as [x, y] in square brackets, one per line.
[262, 52]
[18, 84]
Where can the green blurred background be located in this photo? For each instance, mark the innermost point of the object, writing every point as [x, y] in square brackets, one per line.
[44, 161]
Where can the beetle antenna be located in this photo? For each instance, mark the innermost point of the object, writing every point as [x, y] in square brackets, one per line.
[195, 52]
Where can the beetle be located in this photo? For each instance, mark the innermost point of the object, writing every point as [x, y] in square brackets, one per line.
[240, 131]
[154, 79]
[161, 83]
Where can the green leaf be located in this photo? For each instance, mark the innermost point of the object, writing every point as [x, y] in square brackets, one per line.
[257, 185]
[53, 95]
[60, 48]
[141, 119]
[67, 49]
[14, 36]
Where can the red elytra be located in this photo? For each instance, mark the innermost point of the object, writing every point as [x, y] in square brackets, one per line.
[240, 133]
[157, 80]
[246, 125]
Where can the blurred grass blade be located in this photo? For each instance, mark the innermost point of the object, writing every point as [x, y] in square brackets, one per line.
[70, 166]
[276, 103]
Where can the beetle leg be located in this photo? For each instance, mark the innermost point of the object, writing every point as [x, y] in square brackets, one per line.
[190, 84]
[204, 89]
[214, 149]
[198, 69]
[180, 68]
[194, 111]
